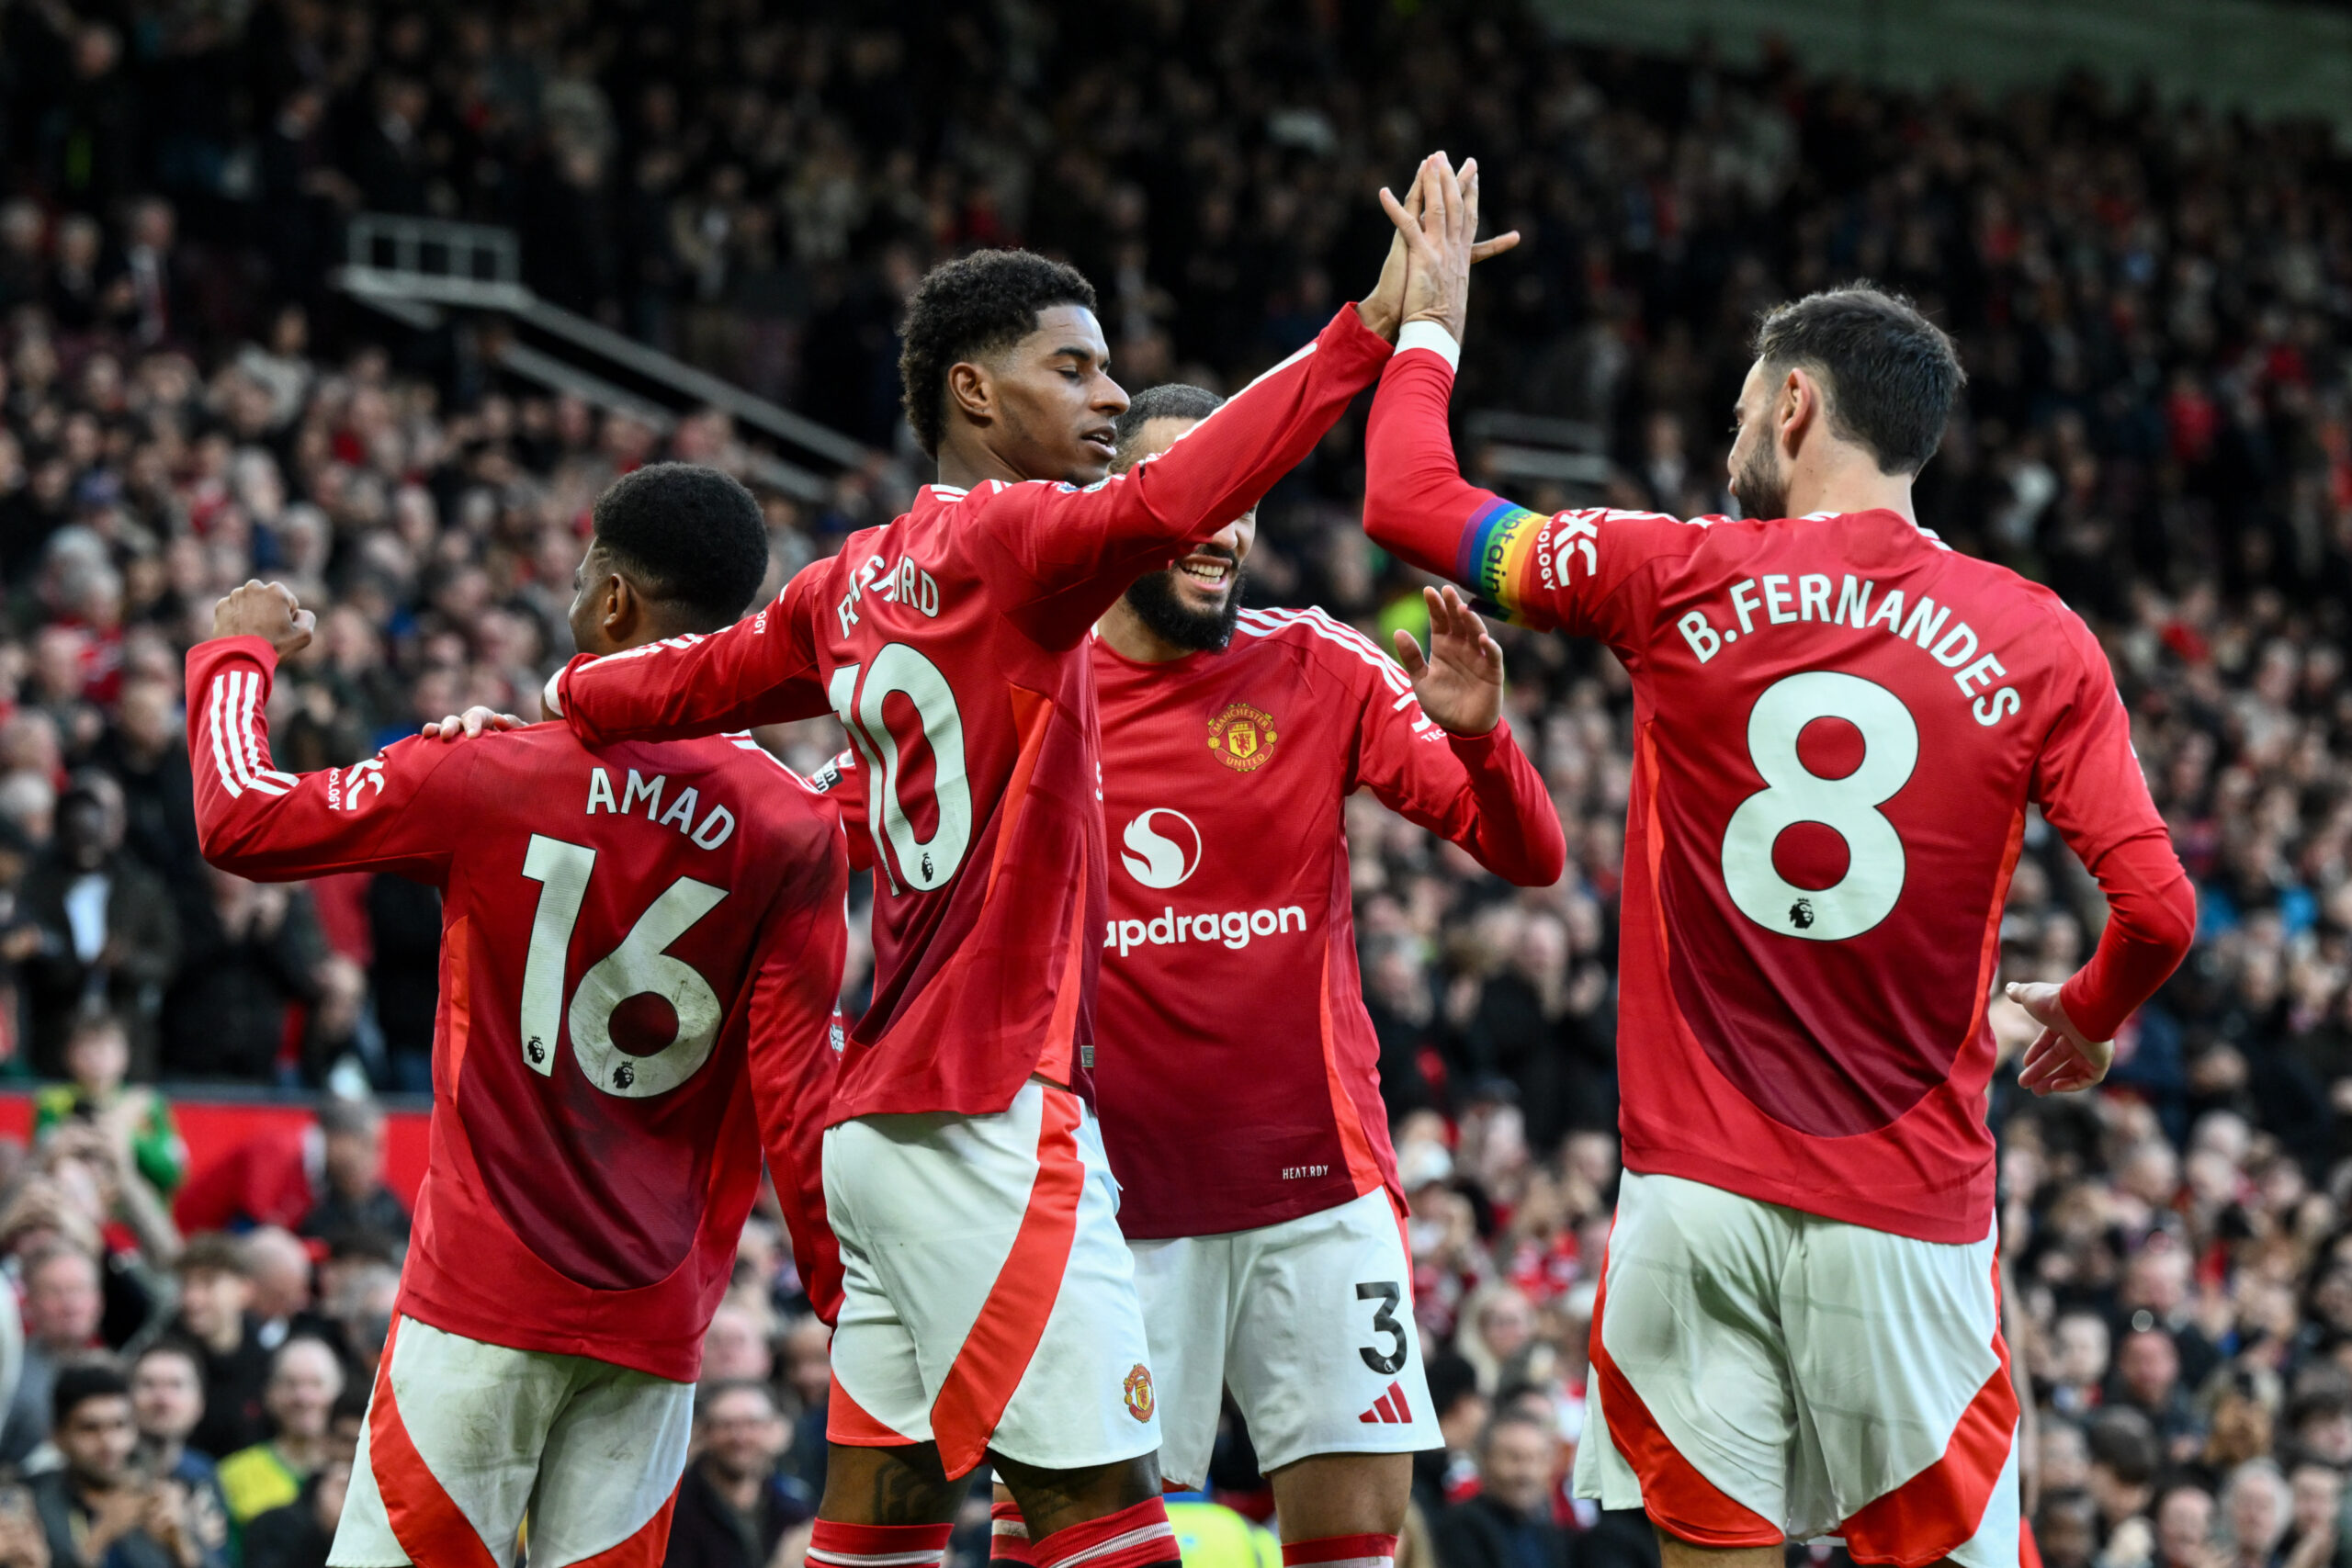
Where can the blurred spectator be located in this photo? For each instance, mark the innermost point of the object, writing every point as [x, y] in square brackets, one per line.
[735, 1348]
[253, 954]
[166, 1403]
[278, 1180]
[2256, 1510]
[1509, 1523]
[284, 1290]
[808, 1378]
[2124, 1456]
[300, 1533]
[305, 1380]
[1447, 1475]
[215, 1293]
[62, 1308]
[2065, 1528]
[734, 1505]
[96, 1508]
[2183, 1528]
[97, 1056]
[352, 1196]
[109, 940]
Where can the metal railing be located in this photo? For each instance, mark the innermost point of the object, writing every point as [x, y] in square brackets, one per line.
[415, 269]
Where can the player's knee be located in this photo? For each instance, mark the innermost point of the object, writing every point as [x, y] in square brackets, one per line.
[1332, 1496]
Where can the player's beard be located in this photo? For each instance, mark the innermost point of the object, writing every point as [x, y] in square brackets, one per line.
[1762, 485]
[1158, 603]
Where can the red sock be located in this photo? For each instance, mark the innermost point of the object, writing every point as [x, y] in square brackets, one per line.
[1008, 1535]
[1131, 1538]
[1342, 1552]
[837, 1545]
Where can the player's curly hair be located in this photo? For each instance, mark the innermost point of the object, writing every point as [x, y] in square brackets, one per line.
[691, 537]
[1893, 374]
[969, 307]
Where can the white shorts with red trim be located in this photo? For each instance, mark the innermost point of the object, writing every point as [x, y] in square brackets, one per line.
[1762, 1374]
[989, 1300]
[1308, 1322]
[465, 1440]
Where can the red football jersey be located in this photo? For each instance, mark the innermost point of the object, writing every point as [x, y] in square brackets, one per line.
[951, 644]
[1839, 724]
[641, 946]
[1239, 1078]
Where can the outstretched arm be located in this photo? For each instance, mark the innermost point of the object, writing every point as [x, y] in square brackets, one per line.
[762, 669]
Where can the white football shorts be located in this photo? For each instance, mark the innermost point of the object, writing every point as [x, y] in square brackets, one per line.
[1763, 1374]
[1310, 1324]
[465, 1440]
[989, 1298]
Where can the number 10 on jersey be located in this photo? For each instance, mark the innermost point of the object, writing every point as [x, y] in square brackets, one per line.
[910, 863]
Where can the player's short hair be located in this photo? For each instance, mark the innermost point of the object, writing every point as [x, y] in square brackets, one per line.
[691, 537]
[99, 1377]
[970, 307]
[1891, 374]
[1174, 399]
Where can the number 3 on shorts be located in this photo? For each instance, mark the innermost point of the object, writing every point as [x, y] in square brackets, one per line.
[1846, 806]
[1384, 1321]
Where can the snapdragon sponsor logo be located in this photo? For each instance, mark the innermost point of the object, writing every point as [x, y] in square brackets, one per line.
[1235, 928]
[1161, 853]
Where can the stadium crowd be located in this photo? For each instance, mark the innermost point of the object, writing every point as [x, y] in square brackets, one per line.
[2155, 304]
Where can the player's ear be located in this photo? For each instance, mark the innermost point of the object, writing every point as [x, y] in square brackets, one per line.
[1796, 407]
[971, 390]
[621, 609]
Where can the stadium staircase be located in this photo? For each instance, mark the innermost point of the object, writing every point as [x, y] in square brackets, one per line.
[418, 270]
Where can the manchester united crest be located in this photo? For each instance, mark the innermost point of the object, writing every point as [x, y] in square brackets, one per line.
[1138, 1391]
[1243, 737]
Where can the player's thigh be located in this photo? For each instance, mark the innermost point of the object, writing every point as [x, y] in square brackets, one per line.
[610, 1469]
[456, 1428]
[879, 1398]
[1904, 1379]
[1186, 1288]
[1085, 1399]
[1323, 1356]
[1690, 1369]
[992, 1244]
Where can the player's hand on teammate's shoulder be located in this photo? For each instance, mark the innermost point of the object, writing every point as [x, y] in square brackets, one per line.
[469, 723]
[265, 610]
[2060, 1060]
[1460, 684]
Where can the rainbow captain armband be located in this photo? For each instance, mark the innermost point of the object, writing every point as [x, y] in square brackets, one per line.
[1498, 557]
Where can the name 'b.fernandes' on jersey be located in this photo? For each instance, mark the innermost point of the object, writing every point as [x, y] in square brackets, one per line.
[641, 948]
[949, 642]
[1840, 724]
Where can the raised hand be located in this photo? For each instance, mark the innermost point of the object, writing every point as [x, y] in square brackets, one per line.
[469, 723]
[1384, 308]
[1460, 685]
[1442, 244]
[2060, 1060]
[265, 610]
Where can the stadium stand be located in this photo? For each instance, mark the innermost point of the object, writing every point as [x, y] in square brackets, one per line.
[2154, 302]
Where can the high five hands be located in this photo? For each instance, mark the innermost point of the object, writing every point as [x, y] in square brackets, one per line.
[1386, 308]
[1437, 226]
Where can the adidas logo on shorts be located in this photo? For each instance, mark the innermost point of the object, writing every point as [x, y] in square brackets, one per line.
[1389, 1410]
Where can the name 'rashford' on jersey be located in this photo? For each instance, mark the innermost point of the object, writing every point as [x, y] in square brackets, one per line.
[1839, 728]
[951, 643]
